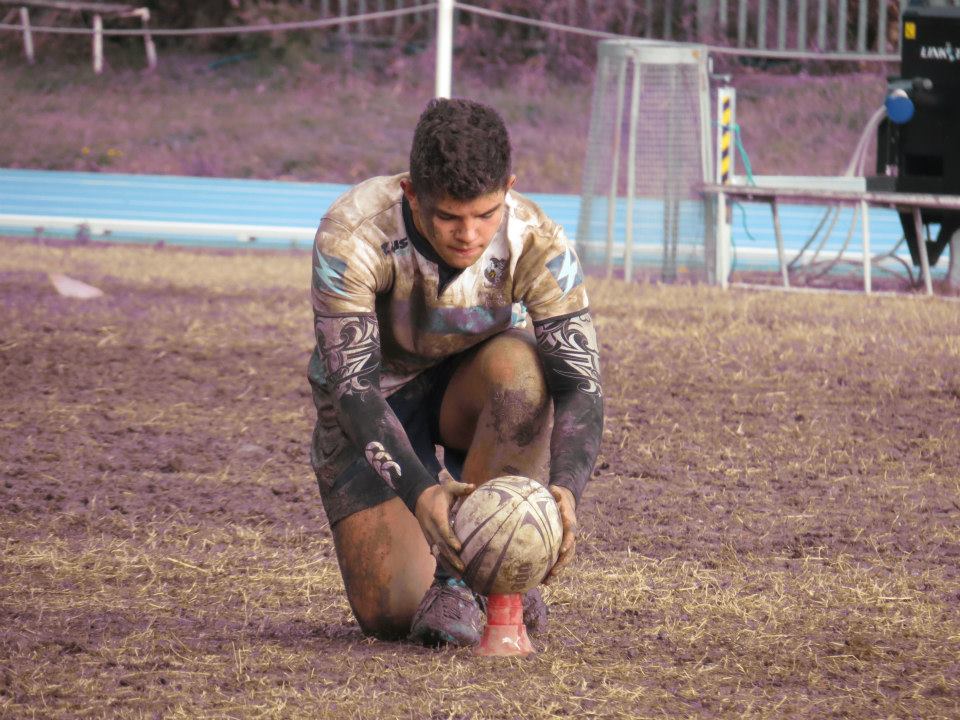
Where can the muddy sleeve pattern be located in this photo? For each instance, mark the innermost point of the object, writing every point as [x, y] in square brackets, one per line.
[568, 348]
[350, 348]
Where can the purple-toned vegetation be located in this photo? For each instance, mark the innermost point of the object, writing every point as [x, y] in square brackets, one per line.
[322, 118]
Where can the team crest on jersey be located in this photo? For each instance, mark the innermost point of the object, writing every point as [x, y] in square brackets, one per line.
[496, 271]
[566, 271]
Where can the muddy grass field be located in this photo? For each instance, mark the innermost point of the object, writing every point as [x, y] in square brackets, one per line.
[773, 529]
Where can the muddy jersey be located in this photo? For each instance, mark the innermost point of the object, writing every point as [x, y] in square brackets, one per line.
[369, 258]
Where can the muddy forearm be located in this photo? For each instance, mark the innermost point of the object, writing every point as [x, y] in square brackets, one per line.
[568, 348]
[350, 348]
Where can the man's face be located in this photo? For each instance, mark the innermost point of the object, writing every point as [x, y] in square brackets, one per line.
[459, 230]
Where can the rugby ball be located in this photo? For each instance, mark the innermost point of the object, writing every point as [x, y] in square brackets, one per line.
[510, 530]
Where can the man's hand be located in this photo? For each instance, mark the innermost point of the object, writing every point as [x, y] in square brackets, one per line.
[568, 516]
[433, 514]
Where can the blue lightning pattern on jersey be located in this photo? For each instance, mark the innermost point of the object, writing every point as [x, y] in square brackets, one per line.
[566, 271]
[330, 272]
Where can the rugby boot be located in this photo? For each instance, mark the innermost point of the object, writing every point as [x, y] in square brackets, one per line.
[448, 615]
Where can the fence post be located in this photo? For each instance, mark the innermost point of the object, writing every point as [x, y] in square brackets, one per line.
[762, 25]
[444, 69]
[149, 47]
[822, 26]
[27, 34]
[97, 44]
[802, 25]
[706, 14]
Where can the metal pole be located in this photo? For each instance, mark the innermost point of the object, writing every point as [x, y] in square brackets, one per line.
[706, 13]
[822, 26]
[802, 25]
[762, 25]
[782, 25]
[842, 27]
[781, 255]
[595, 141]
[362, 25]
[867, 260]
[742, 24]
[670, 201]
[27, 35]
[953, 271]
[615, 173]
[922, 250]
[97, 44]
[726, 108]
[881, 26]
[862, 27]
[444, 80]
[148, 45]
[632, 171]
[667, 20]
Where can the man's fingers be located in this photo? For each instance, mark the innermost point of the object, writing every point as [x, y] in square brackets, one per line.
[444, 544]
[459, 489]
[568, 518]
[449, 538]
[449, 554]
[567, 551]
[452, 486]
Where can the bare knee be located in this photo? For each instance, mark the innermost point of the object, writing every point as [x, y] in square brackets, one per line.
[384, 603]
[510, 363]
[384, 621]
[518, 399]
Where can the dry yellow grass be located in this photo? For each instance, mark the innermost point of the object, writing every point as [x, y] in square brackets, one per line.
[772, 530]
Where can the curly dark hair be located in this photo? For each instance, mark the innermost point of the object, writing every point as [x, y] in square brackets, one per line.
[461, 150]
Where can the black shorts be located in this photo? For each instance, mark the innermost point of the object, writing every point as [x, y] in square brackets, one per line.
[347, 482]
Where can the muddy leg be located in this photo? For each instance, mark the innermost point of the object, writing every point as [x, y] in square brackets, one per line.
[386, 567]
[498, 409]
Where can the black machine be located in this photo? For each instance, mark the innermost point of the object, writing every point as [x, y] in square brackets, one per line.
[918, 143]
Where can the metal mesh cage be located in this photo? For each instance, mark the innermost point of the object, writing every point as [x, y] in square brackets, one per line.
[648, 155]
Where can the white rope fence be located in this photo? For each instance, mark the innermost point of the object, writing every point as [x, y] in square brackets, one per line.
[545, 24]
[229, 30]
[465, 7]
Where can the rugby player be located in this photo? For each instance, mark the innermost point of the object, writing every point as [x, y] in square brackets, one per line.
[422, 286]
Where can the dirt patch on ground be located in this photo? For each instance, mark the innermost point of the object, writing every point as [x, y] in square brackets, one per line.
[772, 528]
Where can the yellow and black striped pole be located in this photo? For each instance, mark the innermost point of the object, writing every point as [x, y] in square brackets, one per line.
[726, 135]
[725, 108]
[726, 119]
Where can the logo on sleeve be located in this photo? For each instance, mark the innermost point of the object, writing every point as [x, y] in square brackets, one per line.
[393, 246]
[566, 271]
[330, 272]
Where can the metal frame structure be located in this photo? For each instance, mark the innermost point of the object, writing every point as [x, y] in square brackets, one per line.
[617, 59]
[903, 202]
